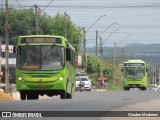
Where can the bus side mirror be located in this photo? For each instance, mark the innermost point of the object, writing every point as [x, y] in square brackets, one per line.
[146, 69]
[68, 54]
[122, 70]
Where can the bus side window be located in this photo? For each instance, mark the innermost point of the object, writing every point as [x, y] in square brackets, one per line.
[68, 54]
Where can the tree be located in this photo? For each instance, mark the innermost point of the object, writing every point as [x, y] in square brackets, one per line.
[108, 72]
[94, 65]
[22, 22]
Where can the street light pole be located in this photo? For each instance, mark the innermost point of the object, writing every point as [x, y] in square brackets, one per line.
[107, 28]
[65, 24]
[36, 19]
[96, 43]
[84, 42]
[98, 37]
[6, 49]
[109, 35]
[94, 23]
[114, 55]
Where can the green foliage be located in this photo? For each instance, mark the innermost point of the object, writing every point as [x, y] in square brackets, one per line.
[96, 67]
[94, 64]
[22, 22]
[113, 87]
[108, 72]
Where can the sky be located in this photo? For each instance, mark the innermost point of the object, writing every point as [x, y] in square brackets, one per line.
[132, 21]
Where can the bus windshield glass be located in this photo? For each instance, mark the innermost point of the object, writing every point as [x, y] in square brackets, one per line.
[40, 57]
[134, 72]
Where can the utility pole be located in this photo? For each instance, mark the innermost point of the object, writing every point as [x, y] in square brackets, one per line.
[122, 55]
[159, 76]
[1, 73]
[65, 25]
[84, 43]
[114, 60]
[101, 47]
[132, 55]
[84, 39]
[96, 43]
[153, 76]
[96, 58]
[36, 19]
[7, 29]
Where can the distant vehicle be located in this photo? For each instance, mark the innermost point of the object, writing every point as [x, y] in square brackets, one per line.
[85, 82]
[154, 87]
[134, 74]
[158, 88]
[77, 84]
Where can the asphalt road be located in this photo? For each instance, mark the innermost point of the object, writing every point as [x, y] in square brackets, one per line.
[89, 101]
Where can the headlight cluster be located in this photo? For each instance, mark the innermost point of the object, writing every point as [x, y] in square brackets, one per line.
[61, 78]
[20, 79]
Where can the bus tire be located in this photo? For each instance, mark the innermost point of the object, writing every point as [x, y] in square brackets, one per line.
[23, 95]
[143, 88]
[32, 96]
[65, 95]
[69, 96]
[126, 88]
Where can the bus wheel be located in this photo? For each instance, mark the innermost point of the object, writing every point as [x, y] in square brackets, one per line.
[65, 95]
[23, 95]
[126, 88]
[69, 96]
[143, 88]
[32, 96]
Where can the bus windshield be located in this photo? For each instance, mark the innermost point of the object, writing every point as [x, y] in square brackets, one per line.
[40, 57]
[134, 72]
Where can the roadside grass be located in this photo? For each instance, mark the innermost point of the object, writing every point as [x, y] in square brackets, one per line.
[113, 87]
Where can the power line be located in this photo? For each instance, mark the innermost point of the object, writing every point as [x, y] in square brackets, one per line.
[47, 5]
[19, 4]
[103, 6]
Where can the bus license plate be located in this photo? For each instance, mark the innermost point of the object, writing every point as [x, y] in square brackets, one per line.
[134, 85]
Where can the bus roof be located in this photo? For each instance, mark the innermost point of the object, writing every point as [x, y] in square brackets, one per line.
[134, 61]
[48, 36]
[42, 36]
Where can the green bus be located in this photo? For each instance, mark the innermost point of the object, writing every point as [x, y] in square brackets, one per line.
[134, 74]
[45, 65]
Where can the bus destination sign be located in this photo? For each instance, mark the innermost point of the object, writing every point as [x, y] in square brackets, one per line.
[134, 64]
[41, 40]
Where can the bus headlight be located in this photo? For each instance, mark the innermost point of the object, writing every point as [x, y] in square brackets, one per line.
[60, 78]
[20, 78]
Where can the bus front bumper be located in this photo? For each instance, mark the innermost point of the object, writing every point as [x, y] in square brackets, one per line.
[134, 84]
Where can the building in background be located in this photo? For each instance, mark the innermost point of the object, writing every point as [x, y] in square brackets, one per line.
[12, 64]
